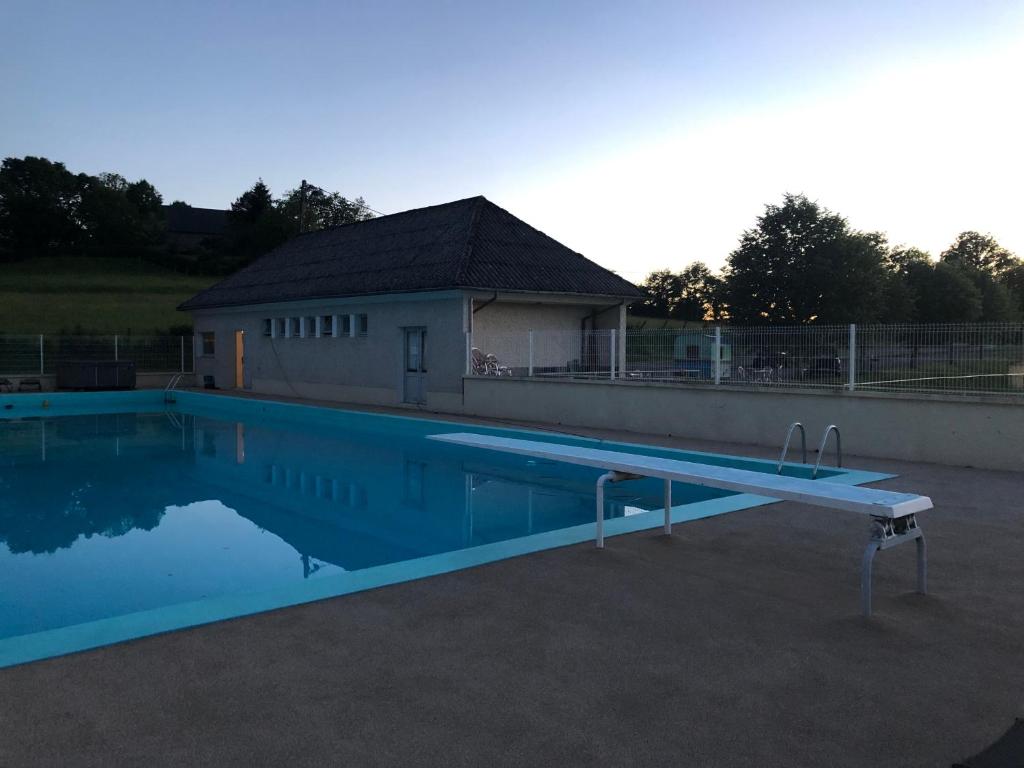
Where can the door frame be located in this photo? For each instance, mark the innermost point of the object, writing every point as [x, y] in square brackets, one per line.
[239, 358]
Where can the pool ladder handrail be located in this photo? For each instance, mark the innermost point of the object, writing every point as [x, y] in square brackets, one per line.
[169, 389]
[821, 449]
[785, 445]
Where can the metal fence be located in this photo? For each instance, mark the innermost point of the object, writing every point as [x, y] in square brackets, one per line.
[24, 355]
[950, 358]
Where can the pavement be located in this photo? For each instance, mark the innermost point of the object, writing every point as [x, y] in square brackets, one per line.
[736, 642]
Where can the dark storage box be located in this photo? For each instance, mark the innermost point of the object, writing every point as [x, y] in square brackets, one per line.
[93, 374]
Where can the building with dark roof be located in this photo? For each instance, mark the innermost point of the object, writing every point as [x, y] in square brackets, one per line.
[391, 310]
[187, 227]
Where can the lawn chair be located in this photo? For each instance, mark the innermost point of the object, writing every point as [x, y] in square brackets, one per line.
[488, 365]
[479, 363]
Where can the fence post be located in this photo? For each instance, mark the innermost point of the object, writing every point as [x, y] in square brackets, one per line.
[469, 353]
[182, 339]
[718, 355]
[530, 364]
[611, 358]
[40, 354]
[852, 382]
[115, 347]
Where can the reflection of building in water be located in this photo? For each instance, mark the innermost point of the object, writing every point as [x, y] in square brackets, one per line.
[344, 492]
[352, 498]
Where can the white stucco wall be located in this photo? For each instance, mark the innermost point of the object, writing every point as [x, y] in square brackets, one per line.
[501, 327]
[366, 369]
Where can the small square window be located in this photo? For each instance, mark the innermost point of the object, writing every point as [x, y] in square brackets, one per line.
[209, 346]
[327, 325]
[364, 325]
[268, 327]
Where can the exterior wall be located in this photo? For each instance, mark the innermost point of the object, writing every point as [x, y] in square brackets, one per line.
[366, 369]
[944, 430]
[500, 328]
[48, 381]
[371, 369]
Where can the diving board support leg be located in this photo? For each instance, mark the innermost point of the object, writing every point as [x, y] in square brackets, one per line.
[887, 533]
[607, 477]
[668, 507]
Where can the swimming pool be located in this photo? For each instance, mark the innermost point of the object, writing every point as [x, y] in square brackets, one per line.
[121, 516]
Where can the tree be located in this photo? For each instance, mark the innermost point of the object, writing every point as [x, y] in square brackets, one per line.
[1013, 279]
[980, 252]
[257, 227]
[693, 294]
[120, 218]
[661, 289]
[322, 209]
[944, 293]
[901, 259]
[39, 207]
[802, 264]
[700, 294]
[992, 268]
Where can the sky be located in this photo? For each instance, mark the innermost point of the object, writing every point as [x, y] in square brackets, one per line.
[645, 135]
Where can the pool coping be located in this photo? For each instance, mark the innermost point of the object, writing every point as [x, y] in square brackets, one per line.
[22, 649]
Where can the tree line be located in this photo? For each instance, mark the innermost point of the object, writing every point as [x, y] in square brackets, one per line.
[46, 209]
[803, 263]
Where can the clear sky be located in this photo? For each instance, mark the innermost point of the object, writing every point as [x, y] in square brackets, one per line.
[643, 134]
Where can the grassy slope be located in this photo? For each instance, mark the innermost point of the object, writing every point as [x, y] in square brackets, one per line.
[94, 295]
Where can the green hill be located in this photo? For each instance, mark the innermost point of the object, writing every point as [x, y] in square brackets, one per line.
[87, 295]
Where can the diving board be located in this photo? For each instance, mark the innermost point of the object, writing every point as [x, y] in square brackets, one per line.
[892, 513]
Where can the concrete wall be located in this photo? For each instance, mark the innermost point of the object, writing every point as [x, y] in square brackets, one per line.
[366, 369]
[957, 431]
[142, 380]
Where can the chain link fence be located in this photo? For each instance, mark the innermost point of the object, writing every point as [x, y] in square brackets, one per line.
[25, 355]
[966, 358]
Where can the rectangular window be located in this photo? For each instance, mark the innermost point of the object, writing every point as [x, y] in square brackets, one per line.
[309, 328]
[209, 347]
[295, 326]
[281, 324]
[364, 325]
[268, 327]
[346, 325]
[326, 325]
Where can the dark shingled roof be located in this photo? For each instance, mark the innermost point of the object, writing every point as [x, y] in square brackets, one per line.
[469, 243]
[182, 219]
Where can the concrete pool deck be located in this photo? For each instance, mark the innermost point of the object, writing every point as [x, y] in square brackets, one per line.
[736, 642]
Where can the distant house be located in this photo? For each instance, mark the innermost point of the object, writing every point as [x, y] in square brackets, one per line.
[386, 311]
[188, 227]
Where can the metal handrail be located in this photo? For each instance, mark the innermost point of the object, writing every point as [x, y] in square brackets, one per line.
[175, 379]
[785, 445]
[821, 449]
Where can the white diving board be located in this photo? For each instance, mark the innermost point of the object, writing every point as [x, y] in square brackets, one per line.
[892, 513]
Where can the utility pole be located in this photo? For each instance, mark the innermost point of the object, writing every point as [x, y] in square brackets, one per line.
[302, 207]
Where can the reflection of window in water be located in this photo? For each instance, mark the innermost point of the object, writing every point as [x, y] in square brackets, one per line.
[209, 443]
[413, 483]
[322, 487]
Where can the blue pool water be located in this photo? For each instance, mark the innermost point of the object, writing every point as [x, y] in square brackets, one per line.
[109, 509]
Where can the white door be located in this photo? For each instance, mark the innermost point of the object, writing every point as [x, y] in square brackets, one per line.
[415, 365]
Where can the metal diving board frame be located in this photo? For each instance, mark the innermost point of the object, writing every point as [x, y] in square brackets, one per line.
[893, 514]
